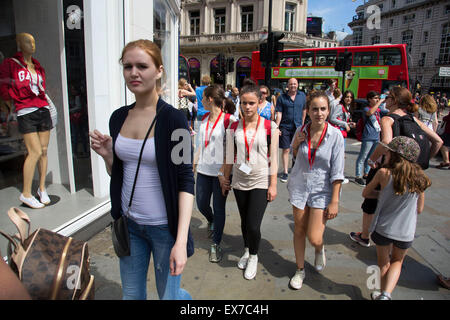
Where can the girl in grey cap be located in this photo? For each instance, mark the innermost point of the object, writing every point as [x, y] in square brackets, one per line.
[400, 199]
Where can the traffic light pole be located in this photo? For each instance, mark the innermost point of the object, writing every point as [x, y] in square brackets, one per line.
[268, 71]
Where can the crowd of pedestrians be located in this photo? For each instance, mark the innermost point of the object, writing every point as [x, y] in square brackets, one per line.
[240, 134]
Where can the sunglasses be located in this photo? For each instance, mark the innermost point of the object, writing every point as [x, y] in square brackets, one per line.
[263, 92]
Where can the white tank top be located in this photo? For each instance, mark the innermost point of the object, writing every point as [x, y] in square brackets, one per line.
[148, 206]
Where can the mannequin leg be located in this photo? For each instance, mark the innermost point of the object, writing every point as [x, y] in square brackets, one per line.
[44, 138]
[33, 145]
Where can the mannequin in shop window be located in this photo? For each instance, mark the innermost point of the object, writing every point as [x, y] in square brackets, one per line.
[22, 86]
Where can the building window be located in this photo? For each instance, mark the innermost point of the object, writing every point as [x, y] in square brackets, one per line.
[247, 19]
[390, 40]
[428, 15]
[407, 37]
[444, 51]
[391, 22]
[409, 18]
[393, 3]
[289, 17]
[219, 20]
[314, 43]
[375, 40]
[194, 17]
[425, 37]
[447, 9]
[357, 37]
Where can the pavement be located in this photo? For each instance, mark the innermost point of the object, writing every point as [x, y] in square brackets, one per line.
[350, 273]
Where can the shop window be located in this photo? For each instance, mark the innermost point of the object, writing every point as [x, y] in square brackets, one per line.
[194, 71]
[391, 56]
[326, 58]
[162, 33]
[365, 58]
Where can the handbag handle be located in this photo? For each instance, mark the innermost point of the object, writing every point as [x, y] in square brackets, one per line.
[139, 161]
[21, 221]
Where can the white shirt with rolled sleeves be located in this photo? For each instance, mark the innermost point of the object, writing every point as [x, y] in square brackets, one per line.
[313, 187]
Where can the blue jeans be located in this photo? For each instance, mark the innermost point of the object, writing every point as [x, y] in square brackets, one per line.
[145, 240]
[205, 187]
[367, 148]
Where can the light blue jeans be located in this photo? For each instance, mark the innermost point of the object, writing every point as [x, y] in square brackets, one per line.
[367, 148]
[145, 240]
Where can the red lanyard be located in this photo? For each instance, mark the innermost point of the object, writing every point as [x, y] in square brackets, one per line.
[214, 126]
[247, 146]
[311, 158]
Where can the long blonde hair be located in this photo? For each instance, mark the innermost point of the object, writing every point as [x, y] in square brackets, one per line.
[428, 104]
[406, 175]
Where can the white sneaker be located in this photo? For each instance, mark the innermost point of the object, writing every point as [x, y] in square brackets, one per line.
[43, 196]
[320, 260]
[242, 264]
[252, 266]
[31, 202]
[297, 280]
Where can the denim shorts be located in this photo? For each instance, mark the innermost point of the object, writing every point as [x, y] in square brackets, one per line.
[286, 138]
[380, 240]
[36, 121]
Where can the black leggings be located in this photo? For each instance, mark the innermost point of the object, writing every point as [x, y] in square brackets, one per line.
[252, 205]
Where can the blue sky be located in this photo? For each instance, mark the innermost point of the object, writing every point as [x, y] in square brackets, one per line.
[336, 13]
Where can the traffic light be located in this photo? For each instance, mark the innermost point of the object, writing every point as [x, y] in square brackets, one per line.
[277, 45]
[263, 53]
[230, 65]
[344, 62]
[347, 61]
[221, 63]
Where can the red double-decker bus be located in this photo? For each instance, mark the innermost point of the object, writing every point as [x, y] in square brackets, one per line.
[376, 67]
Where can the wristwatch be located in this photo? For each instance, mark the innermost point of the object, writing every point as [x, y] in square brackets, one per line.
[220, 173]
[370, 162]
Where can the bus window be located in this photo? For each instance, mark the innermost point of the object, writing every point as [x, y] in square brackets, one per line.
[326, 58]
[390, 57]
[365, 58]
[289, 59]
[307, 58]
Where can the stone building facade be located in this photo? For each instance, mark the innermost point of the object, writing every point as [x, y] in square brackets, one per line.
[235, 29]
[424, 25]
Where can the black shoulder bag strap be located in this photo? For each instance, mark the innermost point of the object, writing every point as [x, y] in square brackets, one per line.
[139, 161]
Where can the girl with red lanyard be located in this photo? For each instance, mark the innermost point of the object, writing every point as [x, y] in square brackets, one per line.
[315, 182]
[210, 159]
[255, 169]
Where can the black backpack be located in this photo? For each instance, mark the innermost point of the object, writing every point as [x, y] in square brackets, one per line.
[407, 126]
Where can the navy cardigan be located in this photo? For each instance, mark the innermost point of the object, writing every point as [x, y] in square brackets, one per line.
[174, 178]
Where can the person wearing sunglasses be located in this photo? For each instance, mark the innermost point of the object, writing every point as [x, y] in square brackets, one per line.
[266, 108]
